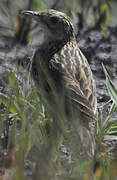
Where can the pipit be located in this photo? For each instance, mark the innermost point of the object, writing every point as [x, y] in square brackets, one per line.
[61, 72]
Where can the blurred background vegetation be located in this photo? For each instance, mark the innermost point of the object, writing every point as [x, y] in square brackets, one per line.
[90, 10]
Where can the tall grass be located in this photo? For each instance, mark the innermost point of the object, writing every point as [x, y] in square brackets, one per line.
[28, 137]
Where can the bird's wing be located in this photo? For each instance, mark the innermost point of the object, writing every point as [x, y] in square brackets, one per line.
[78, 98]
[78, 80]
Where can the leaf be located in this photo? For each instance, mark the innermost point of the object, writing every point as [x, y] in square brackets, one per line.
[111, 88]
[13, 107]
[104, 7]
[110, 138]
[14, 82]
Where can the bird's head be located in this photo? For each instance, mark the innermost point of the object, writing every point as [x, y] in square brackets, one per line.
[56, 25]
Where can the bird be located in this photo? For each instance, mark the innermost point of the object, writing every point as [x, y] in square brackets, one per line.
[66, 87]
[60, 71]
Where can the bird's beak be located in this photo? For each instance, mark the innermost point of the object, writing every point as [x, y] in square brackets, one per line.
[30, 13]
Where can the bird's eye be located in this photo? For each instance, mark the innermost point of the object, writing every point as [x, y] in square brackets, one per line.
[54, 20]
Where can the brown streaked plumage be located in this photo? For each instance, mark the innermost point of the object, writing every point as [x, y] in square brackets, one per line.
[60, 70]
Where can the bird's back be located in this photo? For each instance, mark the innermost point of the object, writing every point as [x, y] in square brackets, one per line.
[77, 76]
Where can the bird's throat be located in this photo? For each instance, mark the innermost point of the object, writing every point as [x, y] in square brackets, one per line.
[48, 49]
